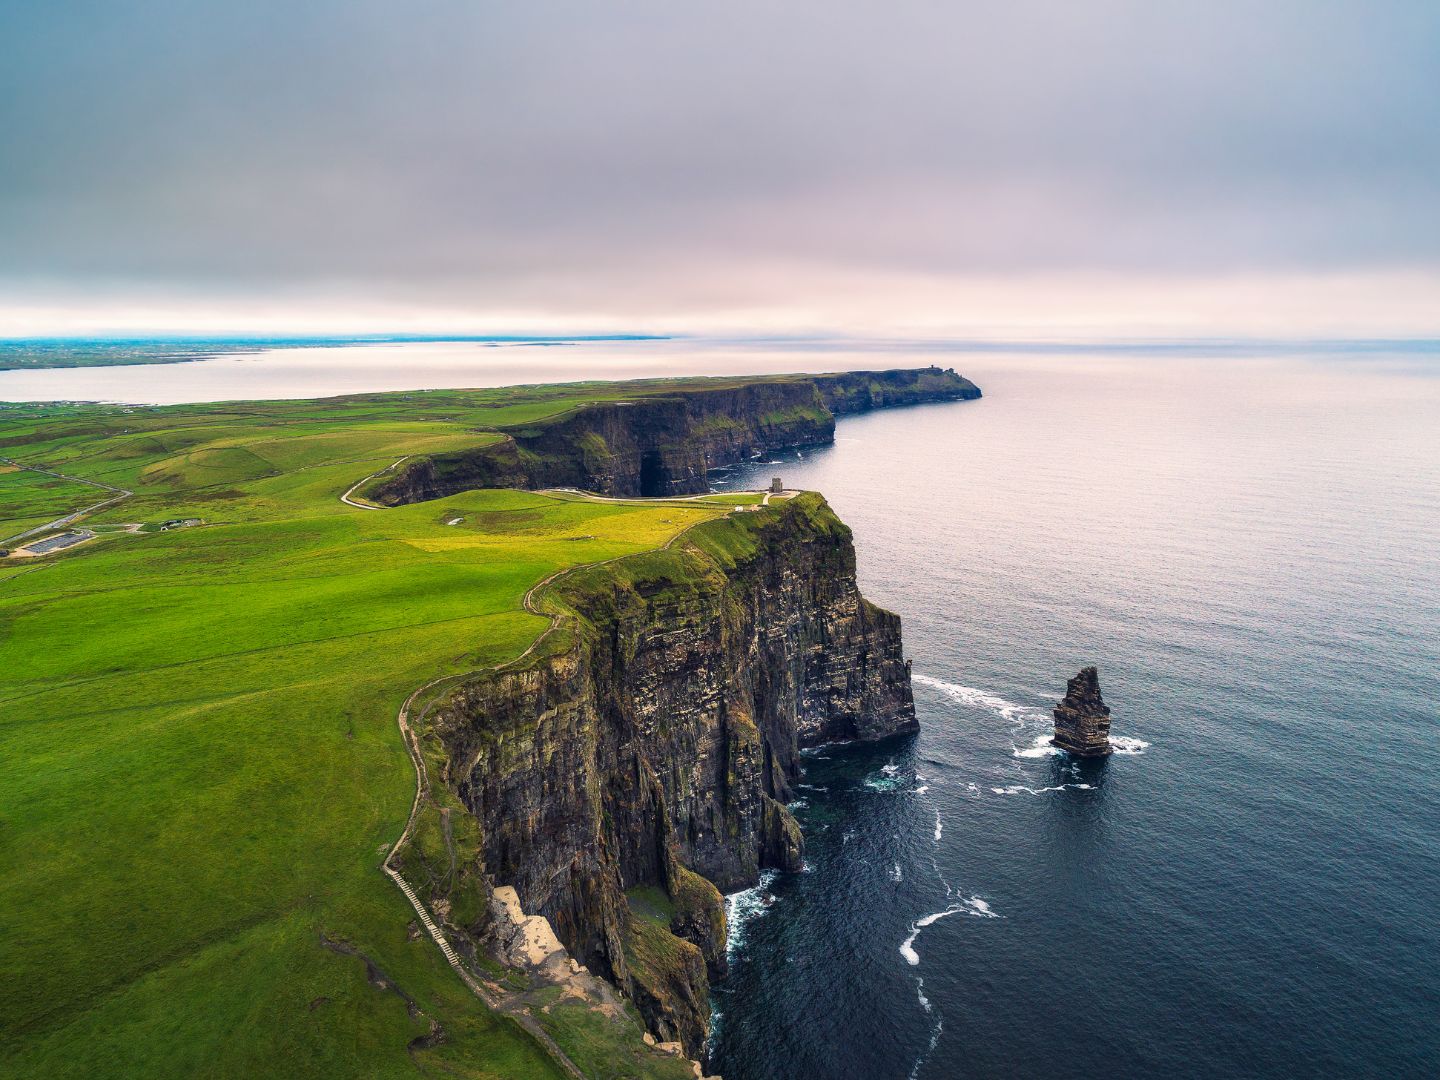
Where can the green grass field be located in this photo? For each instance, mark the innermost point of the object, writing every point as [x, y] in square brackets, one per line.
[200, 767]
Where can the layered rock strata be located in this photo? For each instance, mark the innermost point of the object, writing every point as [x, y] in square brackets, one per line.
[665, 443]
[1082, 719]
[639, 762]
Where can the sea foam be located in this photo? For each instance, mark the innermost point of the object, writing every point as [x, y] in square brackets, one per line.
[1016, 789]
[973, 906]
[980, 699]
[1039, 748]
[1124, 744]
[742, 908]
[1011, 712]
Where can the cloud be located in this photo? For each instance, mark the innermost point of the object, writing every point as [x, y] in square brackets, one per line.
[677, 159]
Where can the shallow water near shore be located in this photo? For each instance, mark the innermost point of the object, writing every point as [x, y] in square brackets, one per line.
[1248, 550]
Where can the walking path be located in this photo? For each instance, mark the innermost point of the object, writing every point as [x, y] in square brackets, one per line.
[121, 494]
[496, 997]
[493, 995]
[348, 501]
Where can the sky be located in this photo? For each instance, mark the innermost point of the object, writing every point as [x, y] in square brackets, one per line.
[1003, 169]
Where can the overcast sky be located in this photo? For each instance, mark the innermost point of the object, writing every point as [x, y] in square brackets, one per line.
[1121, 166]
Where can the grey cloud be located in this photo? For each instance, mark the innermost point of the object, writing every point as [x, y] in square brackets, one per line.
[512, 149]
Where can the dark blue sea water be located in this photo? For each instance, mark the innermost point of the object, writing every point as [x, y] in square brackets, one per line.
[1250, 551]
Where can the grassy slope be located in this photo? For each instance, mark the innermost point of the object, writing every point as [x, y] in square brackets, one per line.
[199, 765]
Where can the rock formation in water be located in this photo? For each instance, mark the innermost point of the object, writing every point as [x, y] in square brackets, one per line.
[665, 443]
[638, 762]
[1082, 719]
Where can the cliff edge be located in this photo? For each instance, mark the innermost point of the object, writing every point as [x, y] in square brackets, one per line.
[664, 442]
[638, 762]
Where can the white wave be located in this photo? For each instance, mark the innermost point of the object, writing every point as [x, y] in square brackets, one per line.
[1124, 744]
[983, 699]
[1016, 789]
[798, 804]
[939, 828]
[1039, 748]
[1012, 712]
[890, 781]
[971, 906]
[907, 949]
[940, 874]
[741, 908]
[883, 784]
[920, 993]
[980, 908]
[934, 1041]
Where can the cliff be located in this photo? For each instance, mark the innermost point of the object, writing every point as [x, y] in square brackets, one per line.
[663, 443]
[848, 392]
[637, 763]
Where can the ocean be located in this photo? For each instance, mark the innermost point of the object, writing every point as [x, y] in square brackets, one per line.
[1246, 541]
[1249, 550]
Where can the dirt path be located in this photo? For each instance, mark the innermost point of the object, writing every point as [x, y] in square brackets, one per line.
[121, 494]
[532, 593]
[348, 501]
[495, 996]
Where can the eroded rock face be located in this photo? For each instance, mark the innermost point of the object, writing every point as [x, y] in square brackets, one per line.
[665, 739]
[665, 444]
[1082, 719]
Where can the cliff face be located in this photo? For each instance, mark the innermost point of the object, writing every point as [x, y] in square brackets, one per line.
[849, 392]
[648, 749]
[664, 444]
[1082, 719]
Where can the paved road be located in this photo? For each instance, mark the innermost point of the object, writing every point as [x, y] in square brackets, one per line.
[69, 519]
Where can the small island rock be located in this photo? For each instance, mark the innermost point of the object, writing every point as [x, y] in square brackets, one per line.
[1082, 719]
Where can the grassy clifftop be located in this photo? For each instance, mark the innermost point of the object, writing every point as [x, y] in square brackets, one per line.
[199, 764]
[200, 768]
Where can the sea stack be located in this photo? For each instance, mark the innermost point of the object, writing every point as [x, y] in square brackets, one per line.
[1082, 720]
